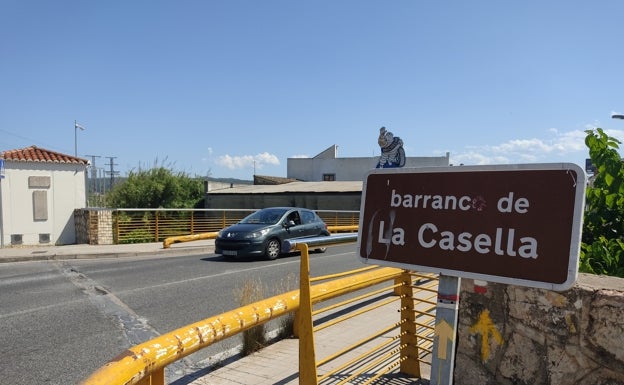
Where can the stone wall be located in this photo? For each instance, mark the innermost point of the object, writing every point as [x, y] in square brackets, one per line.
[104, 227]
[517, 335]
[94, 227]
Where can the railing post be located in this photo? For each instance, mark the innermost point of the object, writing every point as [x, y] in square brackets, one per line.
[307, 356]
[409, 340]
[157, 377]
[116, 224]
[156, 227]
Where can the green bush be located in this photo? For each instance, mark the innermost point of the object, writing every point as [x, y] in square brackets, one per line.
[137, 236]
[155, 188]
[602, 246]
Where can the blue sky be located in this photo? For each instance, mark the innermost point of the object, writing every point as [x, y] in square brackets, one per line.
[216, 87]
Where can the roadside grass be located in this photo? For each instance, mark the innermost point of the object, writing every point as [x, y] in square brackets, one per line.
[252, 290]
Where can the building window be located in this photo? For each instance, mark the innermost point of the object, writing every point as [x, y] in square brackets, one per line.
[329, 177]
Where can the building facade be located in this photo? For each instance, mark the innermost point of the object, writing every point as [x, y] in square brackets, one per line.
[39, 191]
[324, 182]
[327, 166]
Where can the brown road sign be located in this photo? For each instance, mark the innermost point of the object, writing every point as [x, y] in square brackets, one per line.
[515, 224]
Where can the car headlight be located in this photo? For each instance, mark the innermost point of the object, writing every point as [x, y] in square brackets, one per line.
[257, 234]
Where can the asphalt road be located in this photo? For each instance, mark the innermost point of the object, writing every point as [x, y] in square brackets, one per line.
[62, 320]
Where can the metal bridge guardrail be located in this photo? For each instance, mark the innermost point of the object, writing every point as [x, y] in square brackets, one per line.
[154, 225]
[145, 363]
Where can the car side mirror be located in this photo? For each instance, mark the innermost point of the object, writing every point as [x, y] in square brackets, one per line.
[290, 223]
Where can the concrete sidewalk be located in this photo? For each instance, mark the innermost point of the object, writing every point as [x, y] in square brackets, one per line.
[85, 251]
[279, 362]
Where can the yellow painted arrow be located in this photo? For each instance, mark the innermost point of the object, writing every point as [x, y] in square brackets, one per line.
[486, 327]
[445, 333]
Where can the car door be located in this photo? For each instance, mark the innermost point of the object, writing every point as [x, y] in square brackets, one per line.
[312, 226]
[298, 229]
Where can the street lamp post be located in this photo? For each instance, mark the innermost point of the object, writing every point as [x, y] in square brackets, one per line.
[617, 116]
[76, 127]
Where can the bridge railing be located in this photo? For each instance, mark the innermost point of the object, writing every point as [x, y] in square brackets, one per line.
[407, 343]
[155, 225]
[145, 363]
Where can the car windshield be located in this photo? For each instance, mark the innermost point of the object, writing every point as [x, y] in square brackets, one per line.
[265, 216]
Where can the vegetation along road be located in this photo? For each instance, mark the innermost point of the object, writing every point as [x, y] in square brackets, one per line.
[61, 320]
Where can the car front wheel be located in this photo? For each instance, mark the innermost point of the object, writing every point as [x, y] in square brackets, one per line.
[272, 249]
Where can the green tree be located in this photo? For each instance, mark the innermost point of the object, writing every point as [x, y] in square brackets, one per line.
[158, 187]
[602, 247]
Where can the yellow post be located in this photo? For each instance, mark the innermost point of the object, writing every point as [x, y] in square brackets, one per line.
[167, 242]
[157, 377]
[409, 354]
[296, 324]
[307, 357]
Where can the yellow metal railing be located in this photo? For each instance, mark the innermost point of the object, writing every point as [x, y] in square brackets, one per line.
[145, 363]
[339, 218]
[154, 225]
[406, 349]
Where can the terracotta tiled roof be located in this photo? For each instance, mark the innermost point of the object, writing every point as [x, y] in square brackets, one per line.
[36, 154]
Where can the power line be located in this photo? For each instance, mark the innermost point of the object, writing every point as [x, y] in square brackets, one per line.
[93, 167]
[94, 177]
[112, 171]
[27, 142]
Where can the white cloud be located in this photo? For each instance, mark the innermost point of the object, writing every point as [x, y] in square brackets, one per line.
[524, 150]
[247, 161]
[476, 157]
[617, 134]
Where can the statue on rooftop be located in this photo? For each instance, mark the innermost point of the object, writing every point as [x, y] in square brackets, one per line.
[392, 153]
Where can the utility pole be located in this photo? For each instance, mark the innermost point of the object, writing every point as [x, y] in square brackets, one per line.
[95, 193]
[76, 127]
[93, 170]
[112, 171]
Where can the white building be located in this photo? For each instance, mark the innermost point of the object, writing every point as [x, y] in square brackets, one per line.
[326, 166]
[39, 191]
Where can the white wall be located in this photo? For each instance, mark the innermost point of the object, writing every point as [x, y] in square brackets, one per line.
[65, 193]
[348, 169]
